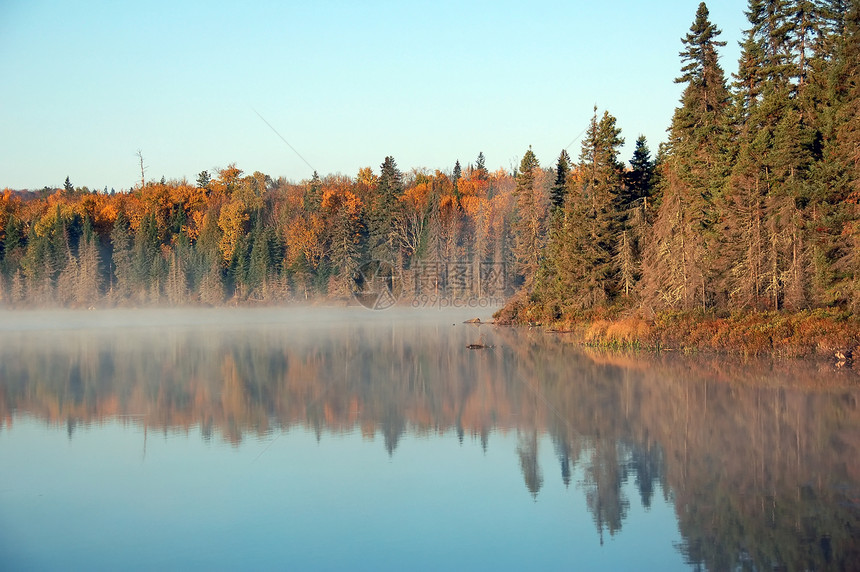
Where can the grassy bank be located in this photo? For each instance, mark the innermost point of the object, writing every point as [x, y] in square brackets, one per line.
[806, 333]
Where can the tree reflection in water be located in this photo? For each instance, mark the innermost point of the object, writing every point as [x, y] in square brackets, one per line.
[761, 459]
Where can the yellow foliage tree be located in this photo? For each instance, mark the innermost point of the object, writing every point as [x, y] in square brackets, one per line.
[232, 224]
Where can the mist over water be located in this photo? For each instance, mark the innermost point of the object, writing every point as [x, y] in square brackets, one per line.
[329, 438]
[293, 316]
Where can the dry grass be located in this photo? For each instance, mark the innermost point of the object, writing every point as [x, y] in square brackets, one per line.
[816, 332]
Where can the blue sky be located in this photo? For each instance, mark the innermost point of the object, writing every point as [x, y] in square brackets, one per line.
[87, 84]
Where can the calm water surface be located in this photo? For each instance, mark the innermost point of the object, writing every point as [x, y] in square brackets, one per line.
[351, 439]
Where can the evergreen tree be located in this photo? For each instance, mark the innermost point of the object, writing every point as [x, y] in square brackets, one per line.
[580, 270]
[203, 180]
[60, 251]
[261, 264]
[313, 194]
[211, 288]
[176, 282]
[38, 269]
[559, 189]
[528, 226]
[679, 260]
[381, 235]
[346, 241]
[238, 266]
[68, 186]
[481, 172]
[88, 277]
[836, 178]
[146, 260]
[207, 245]
[639, 181]
[123, 270]
[775, 147]
[601, 184]
[12, 246]
[635, 206]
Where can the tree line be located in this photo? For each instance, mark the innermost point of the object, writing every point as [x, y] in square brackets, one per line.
[750, 204]
[232, 237]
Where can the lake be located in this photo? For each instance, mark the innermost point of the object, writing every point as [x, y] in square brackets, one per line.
[331, 439]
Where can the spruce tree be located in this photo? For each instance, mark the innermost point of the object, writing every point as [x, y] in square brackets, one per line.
[580, 270]
[59, 242]
[528, 225]
[146, 260]
[836, 178]
[88, 281]
[313, 194]
[776, 143]
[559, 188]
[602, 182]
[381, 237]
[121, 258]
[639, 180]
[37, 269]
[12, 246]
[262, 261]
[481, 172]
[203, 180]
[176, 282]
[679, 258]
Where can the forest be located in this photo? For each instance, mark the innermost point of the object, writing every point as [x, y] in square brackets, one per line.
[236, 238]
[751, 205]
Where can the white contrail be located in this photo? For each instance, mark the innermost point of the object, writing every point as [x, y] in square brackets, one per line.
[284, 140]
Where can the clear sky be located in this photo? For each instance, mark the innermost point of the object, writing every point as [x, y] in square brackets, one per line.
[85, 85]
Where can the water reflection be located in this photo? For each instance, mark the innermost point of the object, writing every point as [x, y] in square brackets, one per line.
[761, 460]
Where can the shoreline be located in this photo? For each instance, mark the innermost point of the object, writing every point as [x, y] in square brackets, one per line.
[809, 333]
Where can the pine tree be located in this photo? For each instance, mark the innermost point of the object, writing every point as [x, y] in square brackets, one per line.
[176, 283]
[313, 194]
[634, 205]
[346, 237]
[238, 266]
[528, 226]
[836, 177]
[581, 270]
[262, 260]
[559, 189]
[13, 246]
[679, 257]
[38, 270]
[211, 288]
[203, 180]
[639, 181]
[123, 269]
[381, 236]
[60, 251]
[775, 148]
[88, 280]
[481, 172]
[602, 183]
[147, 261]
